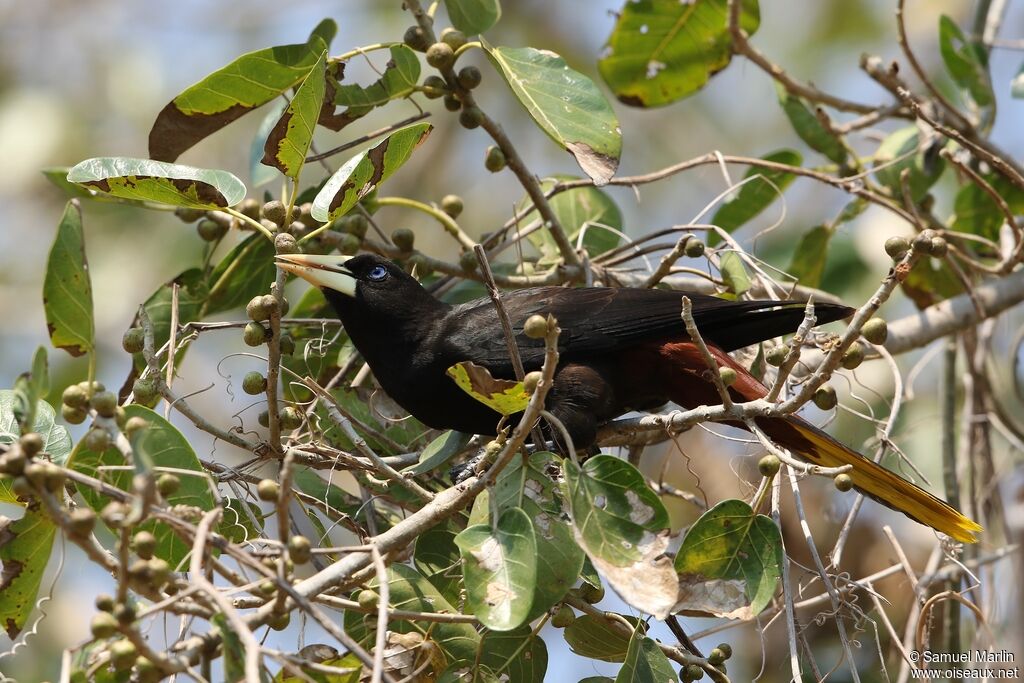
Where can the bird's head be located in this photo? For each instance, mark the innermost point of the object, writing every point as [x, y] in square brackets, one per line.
[366, 285]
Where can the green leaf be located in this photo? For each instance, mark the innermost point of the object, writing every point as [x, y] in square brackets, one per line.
[809, 128]
[730, 561]
[473, 16]
[762, 187]
[25, 547]
[518, 655]
[439, 451]
[966, 61]
[58, 175]
[401, 74]
[232, 91]
[578, 209]
[290, 138]
[357, 403]
[734, 273]
[977, 213]
[234, 650]
[236, 524]
[808, 264]
[365, 171]
[645, 662]
[527, 483]
[193, 293]
[437, 557]
[595, 638]
[349, 661]
[410, 591]
[499, 564]
[925, 165]
[29, 389]
[566, 105]
[247, 270]
[67, 289]
[56, 439]
[613, 510]
[661, 51]
[158, 181]
[164, 446]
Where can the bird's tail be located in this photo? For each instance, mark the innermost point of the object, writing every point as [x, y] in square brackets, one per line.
[871, 479]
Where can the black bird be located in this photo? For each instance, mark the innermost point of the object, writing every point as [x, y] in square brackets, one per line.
[620, 350]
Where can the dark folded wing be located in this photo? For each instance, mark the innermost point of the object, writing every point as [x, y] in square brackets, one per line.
[597, 320]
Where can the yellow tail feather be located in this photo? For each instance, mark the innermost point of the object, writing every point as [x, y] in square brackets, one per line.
[872, 479]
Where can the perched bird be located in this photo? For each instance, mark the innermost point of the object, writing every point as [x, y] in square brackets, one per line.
[620, 350]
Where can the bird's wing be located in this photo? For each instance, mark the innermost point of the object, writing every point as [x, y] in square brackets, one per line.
[596, 320]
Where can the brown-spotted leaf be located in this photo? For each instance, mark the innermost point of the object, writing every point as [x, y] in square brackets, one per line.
[67, 289]
[157, 181]
[289, 139]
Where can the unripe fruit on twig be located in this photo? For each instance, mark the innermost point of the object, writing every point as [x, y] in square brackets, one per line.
[452, 205]
[437, 87]
[843, 482]
[403, 238]
[268, 490]
[471, 117]
[145, 390]
[133, 340]
[875, 331]
[274, 211]
[535, 327]
[285, 244]
[135, 424]
[254, 383]
[187, 215]
[368, 599]
[494, 160]
[81, 521]
[694, 248]
[168, 484]
[440, 56]
[938, 247]
[563, 617]
[468, 262]
[97, 440]
[896, 247]
[452, 103]
[210, 231]
[31, 443]
[144, 543]
[254, 334]
[250, 208]
[299, 549]
[592, 594]
[287, 345]
[531, 381]
[825, 397]
[853, 356]
[75, 397]
[727, 375]
[103, 625]
[123, 654]
[453, 38]
[776, 356]
[769, 465]
[104, 403]
[415, 38]
[469, 77]
[290, 418]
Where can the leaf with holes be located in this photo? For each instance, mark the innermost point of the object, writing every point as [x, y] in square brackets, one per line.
[661, 51]
[25, 546]
[730, 562]
[566, 105]
[505, 396]
[290, 138]
[761, 188]
[366, 170]
[473, 16]
[162, 444]
[586, 211]
[234, 90]
[159, 181]
[966, 61]
[499, 564]
[67, 288]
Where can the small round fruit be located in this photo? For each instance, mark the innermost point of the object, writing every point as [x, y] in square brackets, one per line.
[494, 160]
[144, 543]
[31, 443]
[694, 248]
[274, 211]
[264, 419]
[133, 340]
[938, 247]
[592, 594]
[468, 262]
[875, 331]
[104, 403]
[563, 617]
[250, 207]
[210, 231]
[726, 649]
[168, 484]
[716, 657]
[415, 38]
[531, 381]
[92, 389]
[349, 244]
[290, 418]
[23, 488]
[268, 490]
[97, 440]
[453, 38]
[452, 103]
[159, 572]
[279, 622]
[471, 117]
[436, 87]
[287, 344]
[769, 465]
[843, 482]
[536, 327]
[145, 390]
[113, 514]
[299, 549]
[75, 416]
[13, 462]
[105, 602]
[368, 599]
[854, 356]
[81, 521]
[254, 383]
[135, 424]
[440, 56]
[285, 244]
[896, 247]
[257, 309]
[691, 672]
[35, 472]
[124, 612]
[403, 238]
[146, 671]
[825, 397]
[139, 571]
[75, 397]
[452, 205]
[776, 356]
[728, 376]
[123, 654]
[469, 77]
[187, 215]
[103, 625]
[254, 334]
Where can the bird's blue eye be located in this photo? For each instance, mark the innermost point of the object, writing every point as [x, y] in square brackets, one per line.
[378, 273]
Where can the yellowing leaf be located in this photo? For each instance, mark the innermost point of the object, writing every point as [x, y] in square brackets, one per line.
[502, 395]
